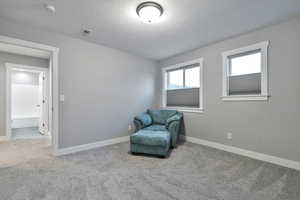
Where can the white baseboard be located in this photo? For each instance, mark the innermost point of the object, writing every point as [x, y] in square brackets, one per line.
[3, 138]
[89, 146]
[252, 154]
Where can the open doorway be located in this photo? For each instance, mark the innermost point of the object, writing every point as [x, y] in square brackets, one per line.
[29, 93]
[28, 99]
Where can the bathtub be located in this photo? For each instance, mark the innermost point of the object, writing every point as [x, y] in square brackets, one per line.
[23, 122]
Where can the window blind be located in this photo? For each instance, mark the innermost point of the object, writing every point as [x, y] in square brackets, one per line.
[245, 84]
[183, 98]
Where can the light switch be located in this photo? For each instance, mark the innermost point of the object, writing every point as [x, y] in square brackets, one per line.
[62, 98]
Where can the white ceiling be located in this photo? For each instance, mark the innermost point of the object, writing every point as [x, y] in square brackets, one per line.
[185, 24]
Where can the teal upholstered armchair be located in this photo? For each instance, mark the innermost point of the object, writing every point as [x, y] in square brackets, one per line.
[156, 132]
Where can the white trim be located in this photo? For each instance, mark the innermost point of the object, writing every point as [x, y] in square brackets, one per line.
[8, 103]
[185, 109]
[93, 145]
[185, 88]
[245, 98]
[164, 86]
[28, 44]
[27, 67]
[263, 46]
[251, 154]
[54, 76]
[55, 102]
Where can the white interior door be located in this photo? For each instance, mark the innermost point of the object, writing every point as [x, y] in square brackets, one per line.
[43, 104]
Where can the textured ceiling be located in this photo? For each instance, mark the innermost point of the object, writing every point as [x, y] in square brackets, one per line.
[185, 25]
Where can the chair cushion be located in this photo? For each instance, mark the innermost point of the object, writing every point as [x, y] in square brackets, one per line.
[156, 127]
[161, 116]
[153, 138]
[144, 118]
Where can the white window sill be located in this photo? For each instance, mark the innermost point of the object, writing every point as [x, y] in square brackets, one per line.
[245, 98]
[185, 109]
[186, 88]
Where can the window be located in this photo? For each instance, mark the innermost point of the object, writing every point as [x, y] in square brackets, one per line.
[192, 77]
[245, 73]
[182, 88]
[175, 80]
[245, 64]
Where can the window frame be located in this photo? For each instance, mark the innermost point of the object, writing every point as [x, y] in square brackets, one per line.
[183, 80]
[227, 55]
[165, 86]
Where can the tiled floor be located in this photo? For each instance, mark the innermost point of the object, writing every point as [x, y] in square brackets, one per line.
[27, 133]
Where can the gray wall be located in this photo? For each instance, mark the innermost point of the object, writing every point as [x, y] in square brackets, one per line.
[16, 59]
[104, 88]
[271, 127]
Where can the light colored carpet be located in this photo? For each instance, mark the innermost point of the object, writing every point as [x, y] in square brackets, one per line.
[192, 172]
[20, 151]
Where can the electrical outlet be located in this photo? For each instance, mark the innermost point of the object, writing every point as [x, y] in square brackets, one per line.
[129, 127]
[229, 136]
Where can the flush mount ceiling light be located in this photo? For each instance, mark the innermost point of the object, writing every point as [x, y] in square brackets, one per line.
[149, 12]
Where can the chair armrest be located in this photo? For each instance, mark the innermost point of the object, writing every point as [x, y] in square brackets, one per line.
[177, 117]
[173, 126]
[142, 121]
[138, 125]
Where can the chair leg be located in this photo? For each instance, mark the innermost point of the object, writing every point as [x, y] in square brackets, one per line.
[133, 153]
[162, 157]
